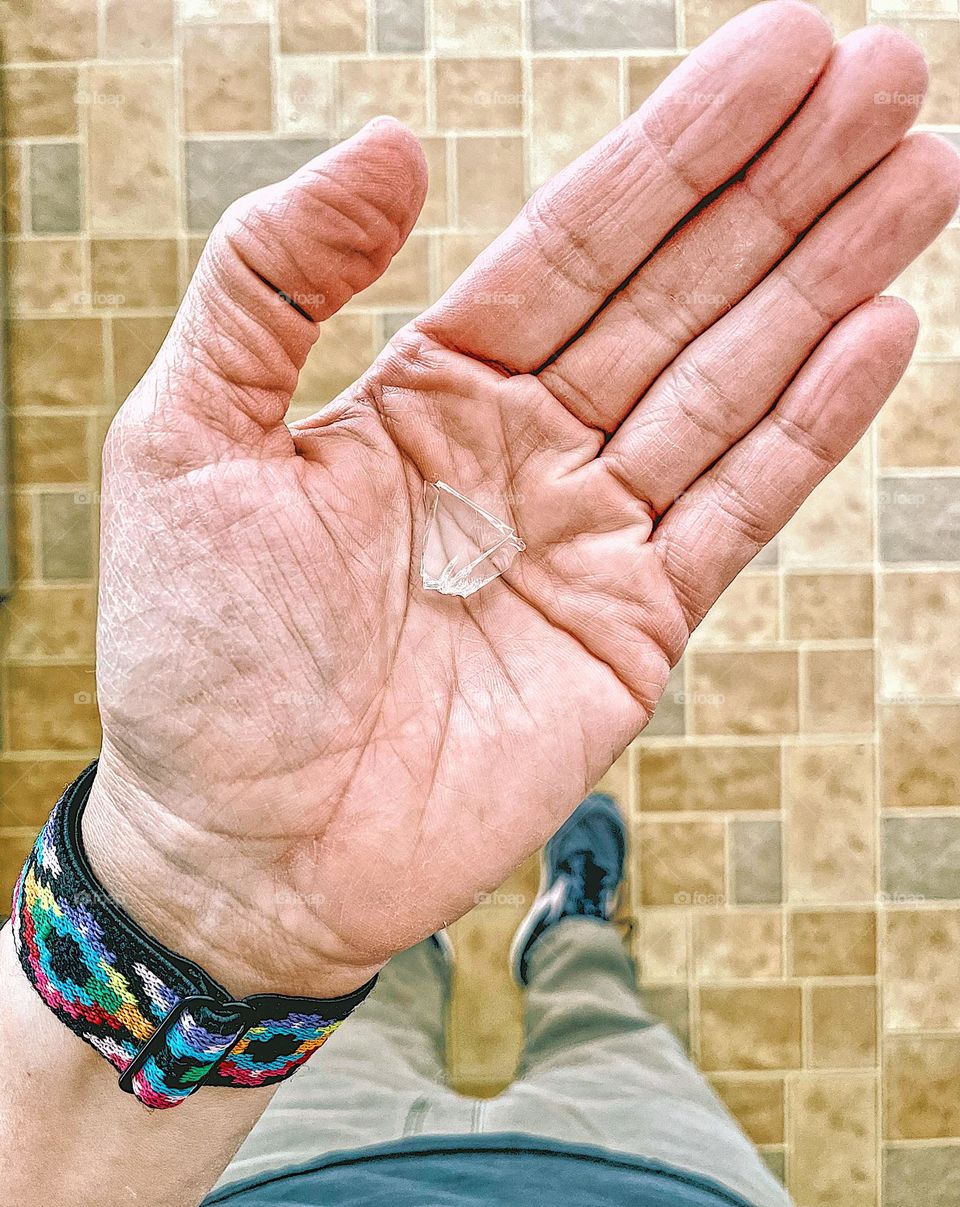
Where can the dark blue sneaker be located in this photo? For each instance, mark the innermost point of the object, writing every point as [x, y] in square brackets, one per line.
[582, 869]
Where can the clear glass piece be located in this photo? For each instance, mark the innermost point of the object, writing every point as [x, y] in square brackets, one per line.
[464, 546]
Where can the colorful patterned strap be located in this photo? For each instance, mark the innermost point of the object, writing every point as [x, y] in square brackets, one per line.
[157, 1017]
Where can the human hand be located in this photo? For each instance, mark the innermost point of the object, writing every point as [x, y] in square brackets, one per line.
[309, 762]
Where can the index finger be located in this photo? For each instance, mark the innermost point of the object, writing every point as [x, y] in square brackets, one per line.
[587, 229]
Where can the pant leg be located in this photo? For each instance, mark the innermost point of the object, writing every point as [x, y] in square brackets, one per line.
[378, 1078]
[597, 1069]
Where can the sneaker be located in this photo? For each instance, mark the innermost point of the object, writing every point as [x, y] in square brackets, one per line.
[582, 868]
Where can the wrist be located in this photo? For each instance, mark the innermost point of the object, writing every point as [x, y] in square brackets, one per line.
[203, 898]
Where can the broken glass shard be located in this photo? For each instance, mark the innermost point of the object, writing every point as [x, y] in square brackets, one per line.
[464, 546]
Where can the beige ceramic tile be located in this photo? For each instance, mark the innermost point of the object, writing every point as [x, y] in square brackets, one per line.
[921, 1076]
[928, 285]
[40, 100]
[918, 748]
[750, 1027]
[829, 799]
[662, 945]
[831, 943]
[306, 94]
[681, 863]
[476, 26]
[135, 344]
[14, 848]
[919, 964]
[49, 448]
[344, 349]
[457, 253]
[226, 78]
[46, 274]
[617, 780]
[370, 87]
[940, 42]
[51, 622]
[485, 1026]
[134, 30]
[919, 653]
[738, 945]
[132, 149]
[134, 273]
[29, 788]
[588, 87]
[828, 606]
[834, 527]
[23, 537]
[756, 1103]
[12, 199]
[752, 692]
[843, 1026]
[703, 17]
[406, 283]
[833, 1139]
[434, 212]
[710, 777]
[256, 11]
[52, 708]
[489, 180]
[310, 28]
[745, 614]
[645, 73]
[479, 94]
[49, 29]
[837, 692]
[917, 425]
[56, 362]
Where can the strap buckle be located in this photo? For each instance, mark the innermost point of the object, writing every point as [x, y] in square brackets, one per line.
[155, 1043]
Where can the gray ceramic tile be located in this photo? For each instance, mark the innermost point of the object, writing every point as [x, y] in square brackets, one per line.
[671, 1004]
[669, 718]
[776, 1161]
[929, 1176]
[756, 874]
[221, 170]
[921, 857]
[919, 519]
[399, 25]
[602, 24]
[55, 188]
[66, 549]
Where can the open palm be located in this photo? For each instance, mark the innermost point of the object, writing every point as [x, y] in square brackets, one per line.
[327, 760]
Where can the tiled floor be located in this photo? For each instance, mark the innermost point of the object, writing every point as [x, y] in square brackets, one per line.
[795, 805]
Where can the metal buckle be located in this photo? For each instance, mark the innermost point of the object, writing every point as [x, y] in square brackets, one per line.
[157, 1040]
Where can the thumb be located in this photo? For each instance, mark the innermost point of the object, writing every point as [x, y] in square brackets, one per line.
[280, 261]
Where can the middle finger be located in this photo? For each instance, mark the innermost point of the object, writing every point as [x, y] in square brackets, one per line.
[840, 133]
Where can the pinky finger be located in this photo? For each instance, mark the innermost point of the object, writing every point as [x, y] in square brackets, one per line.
[713, 530]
